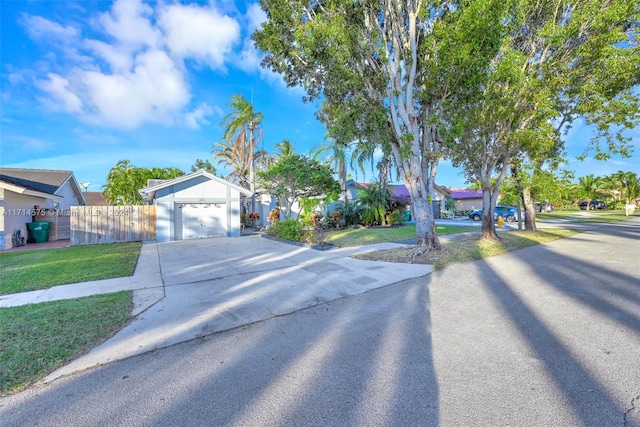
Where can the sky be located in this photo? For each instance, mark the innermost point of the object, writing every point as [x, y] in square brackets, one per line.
[84, 84]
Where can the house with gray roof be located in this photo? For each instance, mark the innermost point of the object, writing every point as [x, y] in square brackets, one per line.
[28, 195]
[195, 206]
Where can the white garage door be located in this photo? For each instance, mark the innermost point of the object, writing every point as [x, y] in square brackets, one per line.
[202, 220]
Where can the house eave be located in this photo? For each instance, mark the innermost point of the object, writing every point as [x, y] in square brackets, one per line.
[149, 193]
[21, 190]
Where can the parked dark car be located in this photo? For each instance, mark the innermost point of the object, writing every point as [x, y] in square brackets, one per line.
[543, 207]
[508, 213]
[594, 204]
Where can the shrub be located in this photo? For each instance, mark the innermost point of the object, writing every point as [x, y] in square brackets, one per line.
[616, 204]
[350, 212]
[315, 237]
[462, 212]
[289, 229]
[448, 214]
[396, 217]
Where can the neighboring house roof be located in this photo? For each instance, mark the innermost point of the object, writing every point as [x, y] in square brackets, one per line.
[459, 194]
[401, 193]
[38, 182]
[149, 193]
[352, 183]
[95, 198]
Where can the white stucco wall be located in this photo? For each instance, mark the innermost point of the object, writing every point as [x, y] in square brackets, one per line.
[199, 189]
[70, 198]
[16, 213]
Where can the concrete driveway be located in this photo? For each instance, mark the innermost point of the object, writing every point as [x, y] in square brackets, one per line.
[213, 285]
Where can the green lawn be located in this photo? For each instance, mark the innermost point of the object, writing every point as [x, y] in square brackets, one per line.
[367, 236]
[22, 271]
[37, 339]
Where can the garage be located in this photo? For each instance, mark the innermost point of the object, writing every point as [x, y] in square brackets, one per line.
[195, 206]
[201, 220]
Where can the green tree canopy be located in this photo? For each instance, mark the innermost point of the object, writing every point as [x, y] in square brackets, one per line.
[124, 181]
[381, 76]
[294, 177]
[558, 61]
[204, 165]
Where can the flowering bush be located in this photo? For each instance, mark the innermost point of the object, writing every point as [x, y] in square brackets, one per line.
[254, 216]
[274, 215]
[335, 219]
[315, 219]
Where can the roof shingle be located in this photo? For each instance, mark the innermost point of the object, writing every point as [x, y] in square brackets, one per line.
[45, 181]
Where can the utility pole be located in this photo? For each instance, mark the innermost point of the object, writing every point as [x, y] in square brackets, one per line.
[252, 184]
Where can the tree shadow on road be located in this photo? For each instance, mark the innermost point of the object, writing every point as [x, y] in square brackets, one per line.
[361, 360]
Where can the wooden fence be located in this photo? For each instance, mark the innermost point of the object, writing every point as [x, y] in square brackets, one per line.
[92, 225]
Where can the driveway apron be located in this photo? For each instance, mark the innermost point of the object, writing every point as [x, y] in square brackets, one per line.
[213, 285]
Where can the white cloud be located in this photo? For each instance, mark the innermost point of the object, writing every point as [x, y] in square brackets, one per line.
[15, 78]
[256, 16]
[41, 28]
[132, 70]
[153, 92]
[118, 60]
[129, 23]
[59, 89]
[249, 57]
[32, 145]
[199, 33]
[198, 117]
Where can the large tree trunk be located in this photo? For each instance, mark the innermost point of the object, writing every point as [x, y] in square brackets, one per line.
[423, 216]
[530, 210]
[527, 201]
[489, 199]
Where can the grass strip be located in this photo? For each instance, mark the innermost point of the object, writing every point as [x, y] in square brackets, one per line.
[580, 216]
[368, 236]
[37, 339]
[23, 271]
[470, 249]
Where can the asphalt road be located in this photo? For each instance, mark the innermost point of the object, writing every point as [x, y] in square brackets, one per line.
[544, 336]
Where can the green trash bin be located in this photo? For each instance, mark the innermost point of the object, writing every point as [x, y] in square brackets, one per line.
[407, 215]
[39, 231]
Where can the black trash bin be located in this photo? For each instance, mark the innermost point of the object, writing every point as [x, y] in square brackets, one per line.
[38, 231]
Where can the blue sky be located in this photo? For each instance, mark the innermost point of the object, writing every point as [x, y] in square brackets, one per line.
[87, 83]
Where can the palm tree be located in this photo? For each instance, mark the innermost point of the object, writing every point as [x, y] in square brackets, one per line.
[242, 133]
[630, 185]
[589, 188]
[364, 153]
[374, 200]
[285, 148]
[237, 161]
[335, 155]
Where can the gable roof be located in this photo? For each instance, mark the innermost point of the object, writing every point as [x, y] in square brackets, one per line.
[95, 198]
[38, 182]
[149, 193]
[401, 193]
[459, 194]
[44, 181]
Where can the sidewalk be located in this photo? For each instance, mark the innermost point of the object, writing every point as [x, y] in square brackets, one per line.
[146, 283]
[190, 289]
